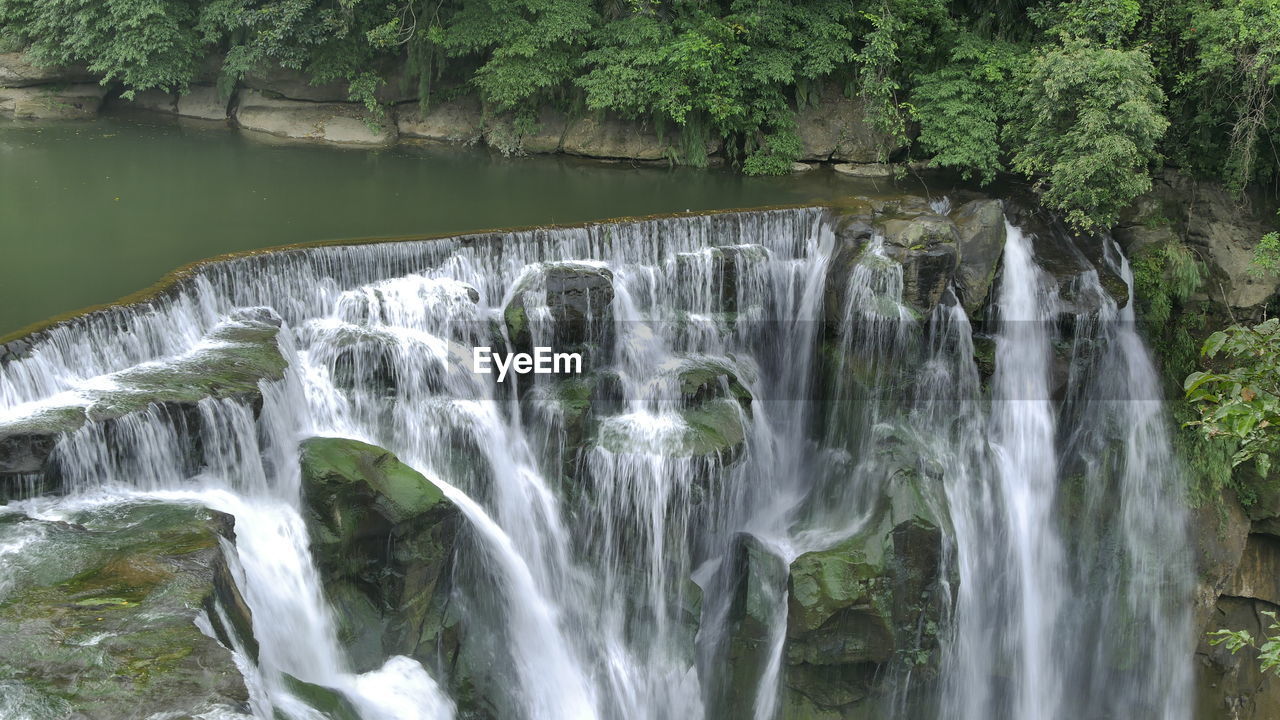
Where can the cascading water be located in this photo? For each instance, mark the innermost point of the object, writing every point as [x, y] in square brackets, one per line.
[601, 563]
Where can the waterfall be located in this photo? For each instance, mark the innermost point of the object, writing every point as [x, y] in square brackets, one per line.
[605, 579]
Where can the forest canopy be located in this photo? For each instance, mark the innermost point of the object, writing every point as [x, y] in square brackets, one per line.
[1085, 98]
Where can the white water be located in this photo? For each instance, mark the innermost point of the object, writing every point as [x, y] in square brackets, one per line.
[587, 592]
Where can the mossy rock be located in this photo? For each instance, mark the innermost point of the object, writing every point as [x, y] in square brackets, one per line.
[340, 473]
[709, 379]
[856, 610]
[383, 536]
[102, 617]
[231, 361]
[330, 702]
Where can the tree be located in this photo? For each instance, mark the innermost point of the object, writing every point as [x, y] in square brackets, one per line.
[1085, 125]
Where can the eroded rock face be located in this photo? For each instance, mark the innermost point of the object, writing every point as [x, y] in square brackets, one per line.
[338, 123]
[202, 102]
[105, 620]
[838, 129]
[238, 354]
[607, 137]
[452, 121]
[18, 70]
[53, 102]
[1219, 230]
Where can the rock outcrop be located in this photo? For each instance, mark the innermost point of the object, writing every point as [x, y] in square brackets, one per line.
[237, 355]
[106, 619]
[383, 537]
[1219, 230]
[859, 614]
[837, 128]
[337, 123]
[568, 302]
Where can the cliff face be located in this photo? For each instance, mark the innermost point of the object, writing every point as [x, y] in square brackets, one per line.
[1237, 537]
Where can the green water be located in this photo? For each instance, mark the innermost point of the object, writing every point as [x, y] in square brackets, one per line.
[90, 212]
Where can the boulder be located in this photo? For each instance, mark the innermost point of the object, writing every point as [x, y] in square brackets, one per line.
[865, 170]
[102, 618]
[18, 70]
[338, 123]
[383, 537]
[570, 300]
[981, 235]
[867, 609]
[453, 121]
[838, 128]
[927, 246]
[203, 102]
[609, 137]
[60, 102]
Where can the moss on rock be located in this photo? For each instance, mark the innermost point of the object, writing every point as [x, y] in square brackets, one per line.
[104, 617]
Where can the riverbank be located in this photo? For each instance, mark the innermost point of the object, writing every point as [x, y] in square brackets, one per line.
[284, 104]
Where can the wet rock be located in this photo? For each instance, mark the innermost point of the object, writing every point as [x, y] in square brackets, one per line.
[704, 380]
[331, 703]
[1220, 534]
[1234, 686]
[383, 537]
[53, 102]
[759, 576]
[338, 123]
[927, 246]
[452, 121]
[237, 355]
[570, 301]
[722, 269]
[981, 229]
[838, 128]
[867, 610]
[103, 614]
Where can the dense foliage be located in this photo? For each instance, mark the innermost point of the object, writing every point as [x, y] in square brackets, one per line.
[1085, 98]
[1240, 400]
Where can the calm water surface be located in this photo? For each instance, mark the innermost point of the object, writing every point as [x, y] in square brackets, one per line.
[90, 212]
